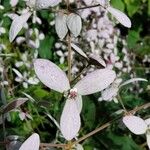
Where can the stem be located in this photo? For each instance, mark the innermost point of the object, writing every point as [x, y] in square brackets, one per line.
[69, 45]
[4, 128]
[69, 56]
[121, 102]
[86, 7]
[52, 145]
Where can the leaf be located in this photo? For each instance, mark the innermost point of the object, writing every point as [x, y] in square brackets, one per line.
[109, 93]
[61, 25]
[118, 4]
[96, 81]
[132, 38]
[79, 50]
[79, 147]
[44, 4]
[17, 25]
[14, 104]
[147, 121]
[17, 73]
[79, 103]
[32, 143]
[120, 16]
[74, 24]
[148, 139]
[135, 124]
[132, 80]
[45, 49]
[70, 120]
[96, 60]
[51, 75]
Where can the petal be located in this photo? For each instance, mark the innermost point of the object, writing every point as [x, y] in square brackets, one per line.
[17, 25]
[132, 80]
[74, 24]
[51, 75]
[32, 143]
[135, 124]
[148, 139]
[17, 73]
[96, 60]
[14, 104]
[79, 103]
[60, 25]
[147, 121]
[95, 81]
[120, 16]
[79, 50]
[70, 120]
[43, 4]
[109, 93]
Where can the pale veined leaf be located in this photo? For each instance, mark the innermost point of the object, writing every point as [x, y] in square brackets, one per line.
[32, 143]
[74, 24]
[79, 50]
[79, 103]
[135, 124]
[79, 147]
[43, 4]
[61, 25]
[88, 2]
[148, 139]
[70, 120]
[120, 16]
[13, 3]
[109, 93]
[17, 73]
[147, 121]
[96, 81]
[14, 104]
[95, 59]
[17, 25]
[132, 80]
[51, 75]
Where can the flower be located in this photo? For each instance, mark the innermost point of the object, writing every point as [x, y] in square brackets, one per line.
[53, 77]
[138, 126]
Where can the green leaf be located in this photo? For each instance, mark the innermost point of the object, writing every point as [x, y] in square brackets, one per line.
[40, 93]
[149, 7]
[132, 38]
[45, 48]
[89, 112]
[122, 142]
[132, 6]
[118, 4]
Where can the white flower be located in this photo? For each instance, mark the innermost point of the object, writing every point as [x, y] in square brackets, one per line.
[32, 143]
[111, 92]
[53, 77]
[138, 126]
[19, 21]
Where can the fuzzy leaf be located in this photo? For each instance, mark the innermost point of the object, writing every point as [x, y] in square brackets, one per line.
[79, 103]
[17, 73]
[79, 50]
[32, 143]
[96, 60]
[14, 104]
[61, 25]
[120, 16]
[70, 120]
[109, 93]
[135, 124]
[17, 25]
[74, 24]
[95, 81]
[132, 80]
[44, 4]
[51, 75]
